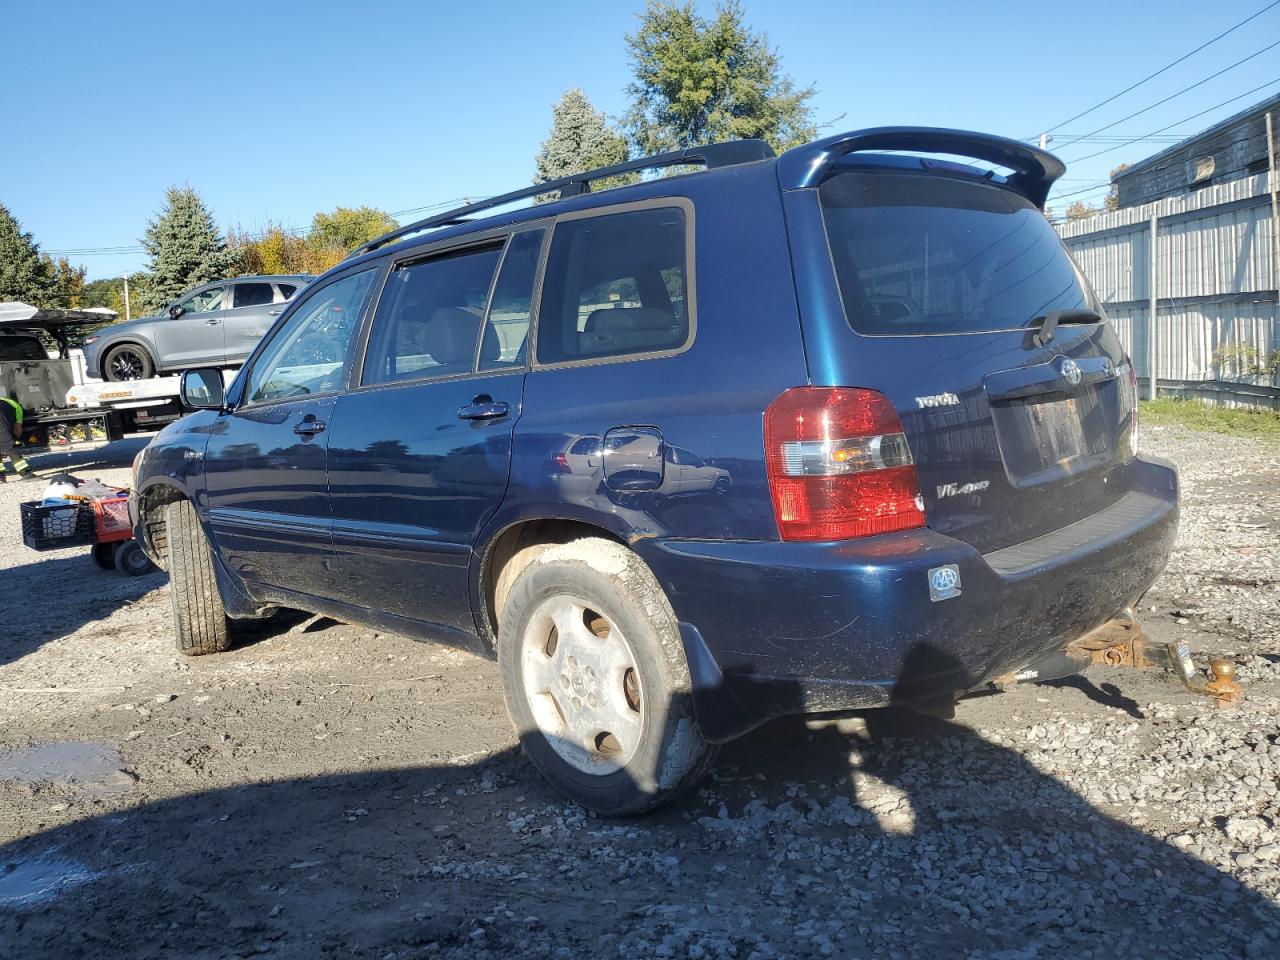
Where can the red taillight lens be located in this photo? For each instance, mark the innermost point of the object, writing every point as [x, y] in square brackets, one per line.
[559, 464]
[839, 465]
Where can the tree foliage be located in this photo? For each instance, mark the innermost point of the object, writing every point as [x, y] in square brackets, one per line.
[581, 139]
[1080, 210]
[66, 283]
[1113, 195]
[184, 249]
[24, 274]
[699, 81]
[347, 228]
[273, 250]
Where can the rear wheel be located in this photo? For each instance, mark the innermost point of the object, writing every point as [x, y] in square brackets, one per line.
[199, 617]
[596, 681]
[127, 362]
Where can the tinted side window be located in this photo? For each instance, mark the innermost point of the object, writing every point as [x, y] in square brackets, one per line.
[615, 284]
[429, 317]
[286, 290]
[506, 331]
[308, 354]
[251, 294]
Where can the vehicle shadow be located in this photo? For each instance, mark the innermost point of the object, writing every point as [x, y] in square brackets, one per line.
[887, 835]
[118, 453]
[53, 596]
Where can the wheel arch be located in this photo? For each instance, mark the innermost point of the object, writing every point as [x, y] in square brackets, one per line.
[518, 542]
[151, 530]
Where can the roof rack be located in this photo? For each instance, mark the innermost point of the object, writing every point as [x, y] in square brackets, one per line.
[712, 155]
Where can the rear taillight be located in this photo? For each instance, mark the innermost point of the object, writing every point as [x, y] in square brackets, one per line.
[839, 465]
[559, 464]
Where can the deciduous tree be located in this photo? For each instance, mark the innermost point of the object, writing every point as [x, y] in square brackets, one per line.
[347, 228]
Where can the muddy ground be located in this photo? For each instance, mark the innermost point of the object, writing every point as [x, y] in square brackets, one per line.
[324, 790]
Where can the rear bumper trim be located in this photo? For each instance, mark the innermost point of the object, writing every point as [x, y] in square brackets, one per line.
[1133, 511]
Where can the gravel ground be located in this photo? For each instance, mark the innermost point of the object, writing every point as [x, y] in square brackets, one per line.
[327, 791]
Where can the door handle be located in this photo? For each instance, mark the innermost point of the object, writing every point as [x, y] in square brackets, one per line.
[213, 323]
[310, 426]
[484, 407]
[273, 313]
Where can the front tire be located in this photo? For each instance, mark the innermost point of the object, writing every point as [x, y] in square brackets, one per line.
[596, 681]
[199, 617]
[127, 362]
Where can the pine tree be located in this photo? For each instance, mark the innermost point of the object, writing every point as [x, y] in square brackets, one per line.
[700, 81]
[581, 139]
[184, 247]
[24, 274]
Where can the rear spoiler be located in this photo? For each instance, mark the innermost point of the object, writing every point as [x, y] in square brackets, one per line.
[1034, 170]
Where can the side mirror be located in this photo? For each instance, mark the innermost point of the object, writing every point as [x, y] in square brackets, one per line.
[176, 312]
[202, 389]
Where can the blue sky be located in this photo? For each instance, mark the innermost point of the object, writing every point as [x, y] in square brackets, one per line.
[273, 111]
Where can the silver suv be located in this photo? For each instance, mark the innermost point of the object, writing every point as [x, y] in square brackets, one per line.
[216, 324]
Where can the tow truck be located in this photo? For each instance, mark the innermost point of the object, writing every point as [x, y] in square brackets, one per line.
[40, 382]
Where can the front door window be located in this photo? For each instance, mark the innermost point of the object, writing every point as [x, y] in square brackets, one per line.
[308, 354]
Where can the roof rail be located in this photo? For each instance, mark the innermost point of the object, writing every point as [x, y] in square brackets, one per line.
[1034, 171]
[712, 155]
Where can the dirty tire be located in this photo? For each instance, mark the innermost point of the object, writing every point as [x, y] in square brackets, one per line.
[672, 756]
[104, 555]
[199, 618]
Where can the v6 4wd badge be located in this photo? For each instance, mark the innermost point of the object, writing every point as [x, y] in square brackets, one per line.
[960, 489]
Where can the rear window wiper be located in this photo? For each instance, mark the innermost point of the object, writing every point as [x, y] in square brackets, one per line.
[1049, 322]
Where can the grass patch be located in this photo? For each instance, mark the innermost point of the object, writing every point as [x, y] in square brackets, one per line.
[1197, 415]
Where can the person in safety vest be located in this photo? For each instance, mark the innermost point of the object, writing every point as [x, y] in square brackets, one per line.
[12, 463]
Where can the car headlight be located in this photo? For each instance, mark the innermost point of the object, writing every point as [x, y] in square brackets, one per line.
[91, 340]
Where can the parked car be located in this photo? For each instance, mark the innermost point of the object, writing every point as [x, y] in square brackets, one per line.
[216, 324]
[885, 504]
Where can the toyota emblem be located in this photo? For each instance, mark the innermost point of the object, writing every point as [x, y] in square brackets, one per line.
[1071, 371]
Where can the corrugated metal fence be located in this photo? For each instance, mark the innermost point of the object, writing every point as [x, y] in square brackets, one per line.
[1217, 316]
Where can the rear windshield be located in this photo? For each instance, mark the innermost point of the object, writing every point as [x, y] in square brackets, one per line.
[918, 254]
[21, 348]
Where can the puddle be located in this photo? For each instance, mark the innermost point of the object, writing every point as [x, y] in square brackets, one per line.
[40, 879]
[92, 767]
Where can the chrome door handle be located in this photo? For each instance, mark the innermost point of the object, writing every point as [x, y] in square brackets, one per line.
[310, 427]
[213, 323]
[273, 313]
[484, 408]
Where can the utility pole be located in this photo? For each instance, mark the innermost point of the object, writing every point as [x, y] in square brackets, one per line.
[1152, 311]
[128, 314]
[1272, 182]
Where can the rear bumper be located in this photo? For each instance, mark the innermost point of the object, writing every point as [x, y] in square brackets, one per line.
[775, 628]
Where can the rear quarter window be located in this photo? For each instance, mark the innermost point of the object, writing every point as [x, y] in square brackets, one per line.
[926, 254]
[616, 285]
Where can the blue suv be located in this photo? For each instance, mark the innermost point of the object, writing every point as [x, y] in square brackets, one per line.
[836, 429]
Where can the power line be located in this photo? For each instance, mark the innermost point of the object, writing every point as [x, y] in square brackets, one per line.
[1172, 96]
[1176, 123]
[1167, 66]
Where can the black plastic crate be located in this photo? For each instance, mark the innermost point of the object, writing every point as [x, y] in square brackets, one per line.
[56, 526]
